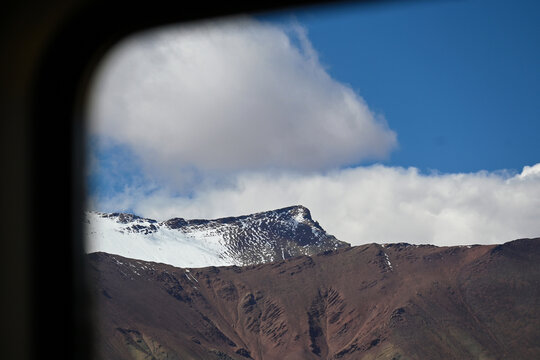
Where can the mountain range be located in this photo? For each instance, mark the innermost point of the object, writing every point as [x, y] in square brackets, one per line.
[244, 240]
[397, 301]
[291, 291]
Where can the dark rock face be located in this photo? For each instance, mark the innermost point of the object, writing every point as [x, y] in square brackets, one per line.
[385, 302]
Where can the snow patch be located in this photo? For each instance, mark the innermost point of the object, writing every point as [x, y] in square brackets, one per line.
[164, 245]
[387, 259]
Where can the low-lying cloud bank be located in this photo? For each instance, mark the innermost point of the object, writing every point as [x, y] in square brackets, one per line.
[371, 204]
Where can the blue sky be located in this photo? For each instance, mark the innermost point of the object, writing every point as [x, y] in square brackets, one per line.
[423, 115]
[459, 81]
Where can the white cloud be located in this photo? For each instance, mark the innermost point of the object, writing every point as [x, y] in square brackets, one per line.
[530, 172]
[224, 96]
[374, 204]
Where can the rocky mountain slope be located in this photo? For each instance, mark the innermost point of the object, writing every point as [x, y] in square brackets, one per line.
[396, 301]
[243, 240]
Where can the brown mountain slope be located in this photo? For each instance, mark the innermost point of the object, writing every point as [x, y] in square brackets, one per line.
[396, 301]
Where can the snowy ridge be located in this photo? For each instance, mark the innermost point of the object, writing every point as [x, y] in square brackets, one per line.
[244, 240]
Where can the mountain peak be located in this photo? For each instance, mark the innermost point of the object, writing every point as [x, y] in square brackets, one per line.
[298, 212]
[242, 240]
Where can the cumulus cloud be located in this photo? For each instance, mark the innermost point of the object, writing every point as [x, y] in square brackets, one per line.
[224, 96]
[374, 204]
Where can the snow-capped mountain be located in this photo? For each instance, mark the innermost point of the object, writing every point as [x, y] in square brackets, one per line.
[243, 240]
